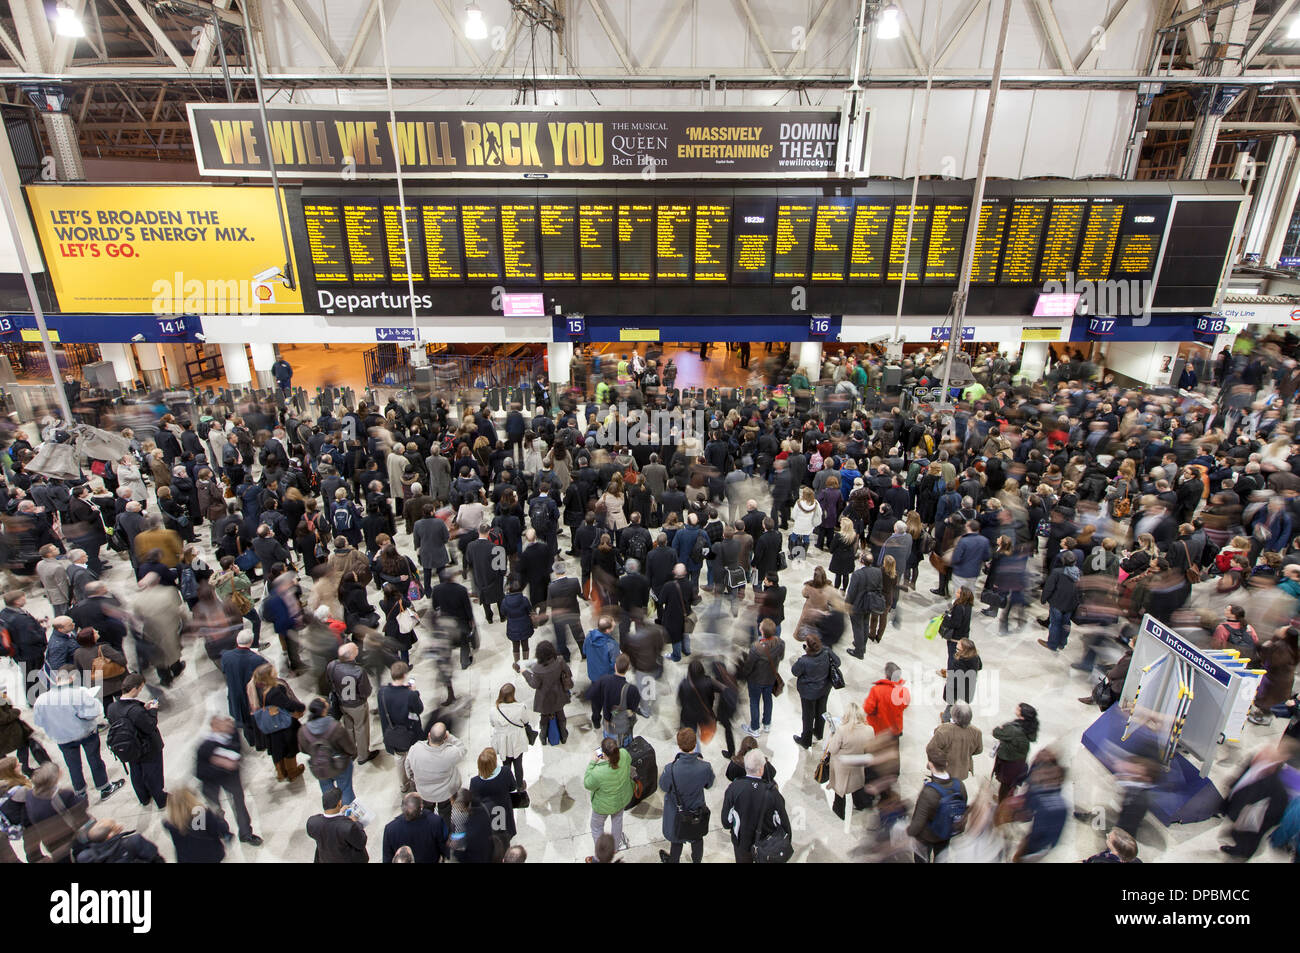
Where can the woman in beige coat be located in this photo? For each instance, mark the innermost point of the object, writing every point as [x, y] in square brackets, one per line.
[847, 747]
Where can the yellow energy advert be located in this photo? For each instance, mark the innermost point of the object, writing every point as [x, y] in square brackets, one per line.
[164, 249]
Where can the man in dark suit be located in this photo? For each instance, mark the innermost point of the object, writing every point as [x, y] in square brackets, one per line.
[783, 487]
[633, 593]
[451, 601]
[101, 611]
[535, 567]
[339, 839]
[675, 601]
[767, 552]
[562, 599]
[899, 500]
[27, 633]
[130, 523]
[238, 665]
[753, 519]
[659, 564]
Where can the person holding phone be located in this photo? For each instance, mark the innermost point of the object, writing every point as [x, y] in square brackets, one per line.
[609, 779]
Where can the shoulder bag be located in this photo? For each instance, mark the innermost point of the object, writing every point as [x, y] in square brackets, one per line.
[776, 847]
[270, 719]
[1193, 571]
[688, 620]
[529, 731]
[687, 825]
[834, 676]
[822, 773]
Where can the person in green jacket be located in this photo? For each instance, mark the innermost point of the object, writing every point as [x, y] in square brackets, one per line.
[609, 779]
[799, 381]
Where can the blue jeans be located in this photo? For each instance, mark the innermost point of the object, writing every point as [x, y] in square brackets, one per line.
[343, 782]
[1058, 629]
[755, 693]
[681, 648]
[799, 541]
[72, 758]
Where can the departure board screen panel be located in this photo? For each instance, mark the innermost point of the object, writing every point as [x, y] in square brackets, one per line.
[1141, 233]
[636, 241]
[830, 245]
[712, 240]
[519, 246]
[947, 235]
[482, 246]
[326, 240]
[1099, 239]
[988, 242]
[365, 230]
[752, 227]
[793, 242]
[397, 242]
[1137, 254]
[596, 242]
[558, 224]
[674, 241]
[870, 239]
[442, 246]
[898, 241]
[1024, 236]
[1064, 228]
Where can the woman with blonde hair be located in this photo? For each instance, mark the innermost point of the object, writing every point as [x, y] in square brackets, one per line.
[198, 832]
[890, 590]
[269, 693]
[915, 529]
[1140, 558]
[806, 516]
[845, 765]
[844, 551]
[615, 518]
[14, 785]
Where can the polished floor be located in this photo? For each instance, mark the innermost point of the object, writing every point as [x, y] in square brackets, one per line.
[555, 828]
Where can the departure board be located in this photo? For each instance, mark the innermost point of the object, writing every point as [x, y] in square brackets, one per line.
[988, 243]
[1024, 234]
[712, 238]
[947, 235]
[674, 240]
[397, 242]
[559, 230]
[325, 240]
[870, 237]
[442, 243]
[752, 226]
[1137, 255]
[793, 241]
[364, 227]
[1099, 239]
[636, 241]
[596, 242]
[830, 243]
[915, 248]
[519, 246]
[482, 247]
[1062, 243]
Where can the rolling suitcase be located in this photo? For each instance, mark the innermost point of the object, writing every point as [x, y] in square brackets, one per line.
[645, 771]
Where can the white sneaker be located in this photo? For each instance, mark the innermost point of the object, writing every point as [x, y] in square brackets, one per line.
[751, 732]
[765, 729]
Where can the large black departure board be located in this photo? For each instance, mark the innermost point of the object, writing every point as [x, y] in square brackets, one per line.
[793, 242]
[830, 245]
[442, 244]
[558, 224]
[478, 222]
[364, 227]
[636, 241]
[735, 248]
[324, 232]
[520, 260]
[752, 227]
[674, 241]
[397, 241]
[712, 240]
[596, 241]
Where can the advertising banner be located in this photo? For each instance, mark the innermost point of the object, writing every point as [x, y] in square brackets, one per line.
[341, 142]
[192, 249]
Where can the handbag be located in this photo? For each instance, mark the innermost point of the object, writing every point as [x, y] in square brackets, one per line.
[688, 620]
[776, 847]
[246, 560]
[243, 605]
[736, 577]
[270, 719]
[529, 731]
[1193, 571]
[413, 592]
[822, 773]
[835, 676]
[105, 668]
[687, 825]
[407, 620]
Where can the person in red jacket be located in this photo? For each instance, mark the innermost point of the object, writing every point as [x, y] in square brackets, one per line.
[886, 701]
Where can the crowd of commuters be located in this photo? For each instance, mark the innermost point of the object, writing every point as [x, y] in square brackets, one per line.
[783, 536]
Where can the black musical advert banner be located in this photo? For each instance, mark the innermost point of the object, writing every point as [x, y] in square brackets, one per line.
[516, 142]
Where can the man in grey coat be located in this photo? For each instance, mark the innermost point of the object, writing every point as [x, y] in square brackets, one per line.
[431, 536]
[439, 468]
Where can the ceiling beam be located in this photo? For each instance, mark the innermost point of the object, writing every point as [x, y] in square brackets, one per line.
[207, 41]
[613, 37]
[1256, 45]
[911, 42]
[1196, 30]
[65, 46]
[1052, 33]
[670, 25]
[968, 20]
[758, 35]
[1093, 53]
[363, 34]
[158, 33]
[308, 31]
[11, 48]
[813, 27]
[458, 31]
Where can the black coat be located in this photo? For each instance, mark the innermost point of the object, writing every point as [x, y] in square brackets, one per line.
[339, 839]
[27, 635]
[203, 843]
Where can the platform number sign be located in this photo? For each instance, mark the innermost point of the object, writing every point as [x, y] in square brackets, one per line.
[1211, 325]
[819, 326]
[576, 327]
[172, 327]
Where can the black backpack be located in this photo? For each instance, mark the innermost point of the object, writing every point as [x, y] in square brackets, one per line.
[636, 547]
[699, 548]
[124, 741]
[539, 515]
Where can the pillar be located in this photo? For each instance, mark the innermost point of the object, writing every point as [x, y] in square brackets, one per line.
[1033, 360]
[559, 361]
[123, 362]
[1150, 364]
[174, 361]
[149, 360]
[810, 359]
[235, 360]
[263, 358]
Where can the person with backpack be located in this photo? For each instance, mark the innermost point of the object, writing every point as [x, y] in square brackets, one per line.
[686, 815]
[329, 749]
[615, 701]
[753, 811]
[345, 517]
[133, 736]
[1235, 633]
[107, 843]
[940, 812]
